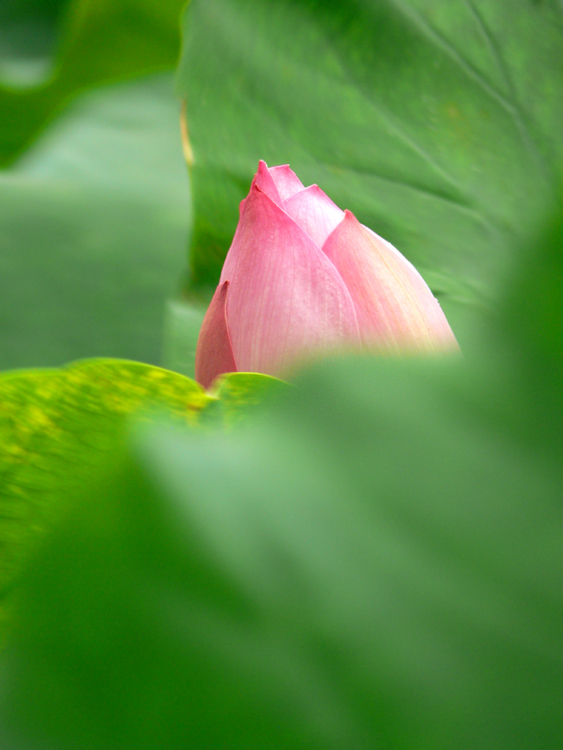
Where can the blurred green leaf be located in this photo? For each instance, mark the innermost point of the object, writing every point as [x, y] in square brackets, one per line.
[376, 563]
[100, 41]
[437, 123]
[238, 394]
[93, 226]
[28, 32]
[151, 674]
[533, 313]
[58, 426]
[182, 322]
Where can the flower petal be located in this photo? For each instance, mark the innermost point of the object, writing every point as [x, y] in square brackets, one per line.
[396, 310]
[264, 181]
[286, 298]
[287, 182]
[314, 212]
[214, 353]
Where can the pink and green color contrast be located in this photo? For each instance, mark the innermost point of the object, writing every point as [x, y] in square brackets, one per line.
[303, 279]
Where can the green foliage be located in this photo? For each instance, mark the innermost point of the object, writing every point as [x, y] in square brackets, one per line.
[100, 41]
[58, 427]
[375, 563]
[437, 123]
[368, 559]
[239, 394]
[94, 213]
[182, 321]
[28, 30]
[93, 225]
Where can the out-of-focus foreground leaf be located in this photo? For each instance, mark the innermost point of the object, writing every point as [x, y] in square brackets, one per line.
[93, 225]
[377, 564]
[100, 41]
[58, 427]
[437, 122]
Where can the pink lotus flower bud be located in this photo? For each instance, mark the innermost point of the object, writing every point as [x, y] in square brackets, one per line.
[302, 278]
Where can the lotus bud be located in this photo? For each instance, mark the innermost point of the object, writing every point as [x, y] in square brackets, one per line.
[304, 278]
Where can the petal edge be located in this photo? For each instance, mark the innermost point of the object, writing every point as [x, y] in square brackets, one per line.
[214, 352]
[315, 213]
[397, 312]
[287, 182]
